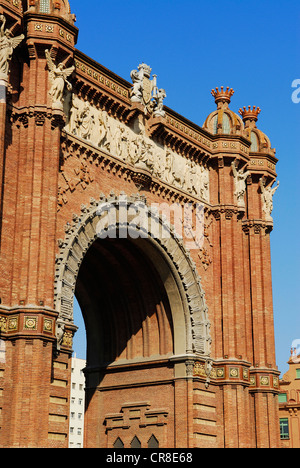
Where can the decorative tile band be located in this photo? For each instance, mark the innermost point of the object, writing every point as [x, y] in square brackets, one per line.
[227, 373]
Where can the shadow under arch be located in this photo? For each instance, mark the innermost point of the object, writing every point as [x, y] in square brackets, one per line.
[124, 303]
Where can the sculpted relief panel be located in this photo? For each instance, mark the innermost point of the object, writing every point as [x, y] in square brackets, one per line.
[131, 145]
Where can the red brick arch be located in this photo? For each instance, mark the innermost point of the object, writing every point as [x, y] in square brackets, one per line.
[172, 261]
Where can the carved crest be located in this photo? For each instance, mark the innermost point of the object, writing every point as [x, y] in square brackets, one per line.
[145, 90]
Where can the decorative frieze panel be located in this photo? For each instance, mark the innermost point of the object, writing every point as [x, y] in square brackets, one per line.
[232, 371]
[264, 380]
[18, 322]
[133, 147]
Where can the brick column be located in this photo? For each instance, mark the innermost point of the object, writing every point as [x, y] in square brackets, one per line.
[3, 86]
[35, 382]
[263, 374]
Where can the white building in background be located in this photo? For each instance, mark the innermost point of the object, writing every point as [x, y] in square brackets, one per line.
[77, 402]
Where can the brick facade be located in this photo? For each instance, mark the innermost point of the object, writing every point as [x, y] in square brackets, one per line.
[289, 402]
[173, 358]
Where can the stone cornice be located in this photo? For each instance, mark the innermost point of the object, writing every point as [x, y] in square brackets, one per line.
[40, 113]
[257, 225]
[40, 30]
[34, 322]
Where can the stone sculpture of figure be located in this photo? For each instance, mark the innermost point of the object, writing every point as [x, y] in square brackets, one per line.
[60, 330]
[145, 158]
[267, 196]
[111, 141]
[7, 46]
[208, 371]
[85, 122]
[137, 89]
[240, 184]
[160, 163]
[190, 178]
[204, 190]
[168, 175]
[158, 109]
[59, 78]
[73, 114]
[179, 171]
[124, 143]
[102, 129]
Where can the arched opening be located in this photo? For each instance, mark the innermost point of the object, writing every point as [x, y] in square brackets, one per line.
[124, 304]
[145, 317]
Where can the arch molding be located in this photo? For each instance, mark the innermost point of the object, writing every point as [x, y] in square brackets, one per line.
[183, 285]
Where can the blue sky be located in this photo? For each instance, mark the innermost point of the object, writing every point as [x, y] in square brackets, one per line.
[194, 46]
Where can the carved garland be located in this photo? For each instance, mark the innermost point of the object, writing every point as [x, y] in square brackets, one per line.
[80, 235]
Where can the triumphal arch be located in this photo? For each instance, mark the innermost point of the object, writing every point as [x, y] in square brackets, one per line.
[159, 227]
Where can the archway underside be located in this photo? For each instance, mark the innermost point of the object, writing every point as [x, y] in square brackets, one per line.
[124, 304]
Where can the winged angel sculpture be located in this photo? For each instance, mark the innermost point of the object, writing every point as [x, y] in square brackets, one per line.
[59, 78]
[7, 46]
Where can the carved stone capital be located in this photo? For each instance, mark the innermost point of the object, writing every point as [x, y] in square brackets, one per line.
[258, 226]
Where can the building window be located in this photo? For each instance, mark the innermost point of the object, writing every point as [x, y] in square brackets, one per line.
[254, 142]
[284, 428]
[215, 125]
[297, 373]
[282, 398]
[135, 443]
[118, 443]
[153, 442]
[44, 6]
[226, 125]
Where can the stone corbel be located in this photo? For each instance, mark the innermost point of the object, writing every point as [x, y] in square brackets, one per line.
[257, 225]
[58, 119]
[136, 110]
[154, 125]
[64, 333]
